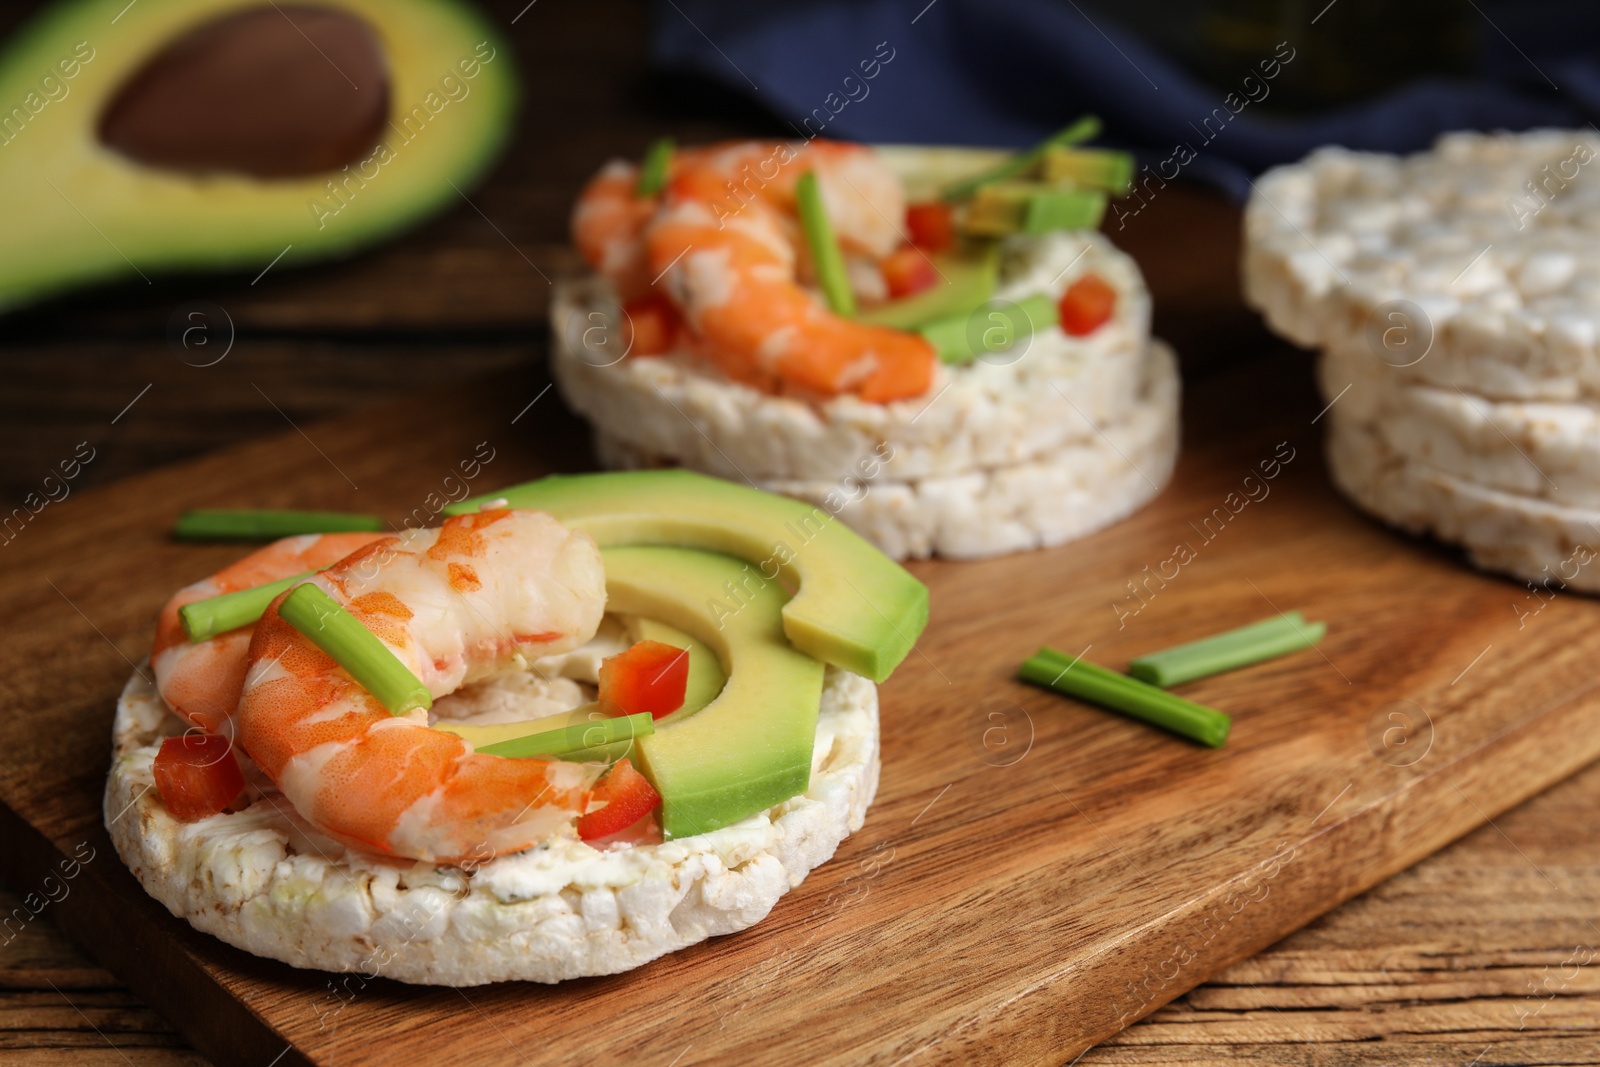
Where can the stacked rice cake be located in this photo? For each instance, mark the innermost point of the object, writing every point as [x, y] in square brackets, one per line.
[1455, 295]
[1026, 447]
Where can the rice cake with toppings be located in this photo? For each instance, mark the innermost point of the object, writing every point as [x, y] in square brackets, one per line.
[1084, 486]
[1493, 239]
[262, 879]
[1013, 407]
[1544, 449]
[1528, 538]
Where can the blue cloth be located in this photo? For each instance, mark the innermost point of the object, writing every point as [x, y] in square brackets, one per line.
[1008, 72]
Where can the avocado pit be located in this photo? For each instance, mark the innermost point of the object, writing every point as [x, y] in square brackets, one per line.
[269, 92]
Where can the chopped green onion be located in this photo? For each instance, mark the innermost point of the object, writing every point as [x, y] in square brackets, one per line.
[992, 328]
[355, 648]
[653, 171]
[1094, 168]
[205, 619]
[825, 254]
[577, 741]
[1084, 129]
[1226, 651]
[1097, 685]
[266, 524]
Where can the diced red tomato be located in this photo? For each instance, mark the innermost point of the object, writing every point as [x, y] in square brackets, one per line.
[650, 325]
[197, 775]
[907, 271]
[628, 797]
[932, 225]
[650, 676]
[1087, 305]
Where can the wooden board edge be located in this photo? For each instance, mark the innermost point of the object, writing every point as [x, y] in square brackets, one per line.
[99, 915]
[1576, 718]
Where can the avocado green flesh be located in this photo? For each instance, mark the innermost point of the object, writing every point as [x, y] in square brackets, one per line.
[706, 676]
[1095, 168]
[1005, 208]
[927, 170]
[854, 607]
[960, 340]
[78, 212]
[751, 747]
[967, 279]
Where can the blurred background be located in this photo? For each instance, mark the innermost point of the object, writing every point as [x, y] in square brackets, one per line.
[1243, 83]
[1281, 76]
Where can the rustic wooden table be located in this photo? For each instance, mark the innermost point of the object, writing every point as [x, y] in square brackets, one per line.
[1478, 955]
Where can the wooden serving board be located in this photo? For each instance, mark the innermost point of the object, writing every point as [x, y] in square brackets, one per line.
[1035, 873]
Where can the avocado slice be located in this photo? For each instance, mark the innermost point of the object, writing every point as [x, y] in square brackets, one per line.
[927, 170]
[853, 607]
[751, 747]
[706, 676]
[963, 338]
[1004, 208]
[1092, 167]
[97, 188]
[967, 279]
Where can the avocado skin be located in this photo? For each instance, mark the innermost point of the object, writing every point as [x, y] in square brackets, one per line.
[854, 607]
[80, 213]
[751, 747]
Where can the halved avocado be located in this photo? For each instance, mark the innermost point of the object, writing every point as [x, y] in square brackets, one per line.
[111, 166]
[751, 747]
[853, 607]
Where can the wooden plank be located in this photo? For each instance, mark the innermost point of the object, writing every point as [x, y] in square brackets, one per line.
[137, 406]
[1025, 910]
[1479, 953]
[1474, 930]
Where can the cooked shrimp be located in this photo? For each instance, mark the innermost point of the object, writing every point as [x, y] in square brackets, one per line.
[734, 275]
[201, 682]
[866, 200]
[607, 224]
[723, 242]
[475, 597]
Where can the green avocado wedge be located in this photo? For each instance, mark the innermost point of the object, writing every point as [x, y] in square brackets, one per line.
[853, 607]
[967, 279]
[80, 211]
[751, 747]
[927, 170]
